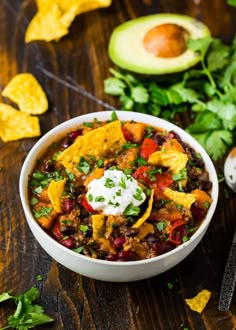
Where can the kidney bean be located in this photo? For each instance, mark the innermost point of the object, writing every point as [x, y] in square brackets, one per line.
[68, 242]
[112, 257]
[163, 247]
[126, 255]
[69, 205]
[151, 238]
[49, 166]
[158, 139]
[119, 242]
[73, 135]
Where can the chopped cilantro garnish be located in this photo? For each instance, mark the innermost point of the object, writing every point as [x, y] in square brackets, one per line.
[33, 201]
[131, 210]
[84, 228]
[79, 249]
[138, 194]
[141, 161]
[99, 199]
[118, 192]
[151, 173]
[88, 124]
[109, 183]
[185, 239]
[83, 166]
[129, 145]
[127, 171]
[161, 225]
[122, 183]
[113, 116]
[43, 212]
[182, 175]
[90, 197]
[100, 163]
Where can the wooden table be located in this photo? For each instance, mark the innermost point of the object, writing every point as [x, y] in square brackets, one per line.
[72, 72]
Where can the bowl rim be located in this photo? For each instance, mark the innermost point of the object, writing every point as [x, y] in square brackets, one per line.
[68, 125]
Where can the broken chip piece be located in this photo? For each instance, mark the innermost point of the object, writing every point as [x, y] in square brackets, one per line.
[199, 302]
[24, 90]
[15, 125]
[53, 18]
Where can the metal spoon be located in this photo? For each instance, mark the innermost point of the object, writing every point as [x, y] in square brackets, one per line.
[229, 277]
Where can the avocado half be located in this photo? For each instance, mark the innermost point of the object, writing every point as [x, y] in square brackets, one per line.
[127, 49]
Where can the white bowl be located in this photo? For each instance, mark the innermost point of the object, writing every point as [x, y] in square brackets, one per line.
[101, 269]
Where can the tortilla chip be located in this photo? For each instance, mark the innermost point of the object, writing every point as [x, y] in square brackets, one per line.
[98, 223]
[198, 303]
[180, 198]
[146, 214]
[26, 92]
[55, 190]
[172, 159]
[46, 25]
[101, 142]
[15, 125]
[53, 19]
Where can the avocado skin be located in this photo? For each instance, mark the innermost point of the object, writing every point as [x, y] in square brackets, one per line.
[126, 51]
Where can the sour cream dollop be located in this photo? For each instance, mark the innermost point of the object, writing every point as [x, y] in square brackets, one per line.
[115, 193]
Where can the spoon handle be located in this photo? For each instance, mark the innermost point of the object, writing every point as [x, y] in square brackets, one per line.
[229, 279]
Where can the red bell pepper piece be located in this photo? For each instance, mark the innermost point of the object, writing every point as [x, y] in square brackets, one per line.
[127, 135]
[86, 204]
[142, 174]
[161, 180]
[176, 236]
[148, 147]
[164, 180]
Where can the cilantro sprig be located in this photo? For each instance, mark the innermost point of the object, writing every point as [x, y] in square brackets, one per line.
[208, 90]
[28, 314]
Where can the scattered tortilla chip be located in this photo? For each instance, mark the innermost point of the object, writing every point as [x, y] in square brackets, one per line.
[146, 214]
[47, 25]
[98, 223]
[54, 17]
[15, 125]
[102, 142]
[172, 159]
[55, 190]
[198, 303]
[180, 198]
[26, 92]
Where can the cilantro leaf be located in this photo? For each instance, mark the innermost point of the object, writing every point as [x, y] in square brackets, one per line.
[27, 314]
[231, 2]
[218, 57]
[200, 45]
[204, 121]
[5, 296]
[114, 86]
[215, 142]
[140, 94]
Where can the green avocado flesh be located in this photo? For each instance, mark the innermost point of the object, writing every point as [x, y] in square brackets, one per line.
[126, 48]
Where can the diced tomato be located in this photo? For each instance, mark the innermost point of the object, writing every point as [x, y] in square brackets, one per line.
[86, 204]
[148, 147]
[127, 134]
[163, 180]
[142, 174]
[157, 180]
[177, 232]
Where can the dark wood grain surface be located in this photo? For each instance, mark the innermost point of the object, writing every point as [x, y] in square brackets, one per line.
[72, 72]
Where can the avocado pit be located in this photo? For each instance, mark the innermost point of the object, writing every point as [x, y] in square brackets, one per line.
[166, 40]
